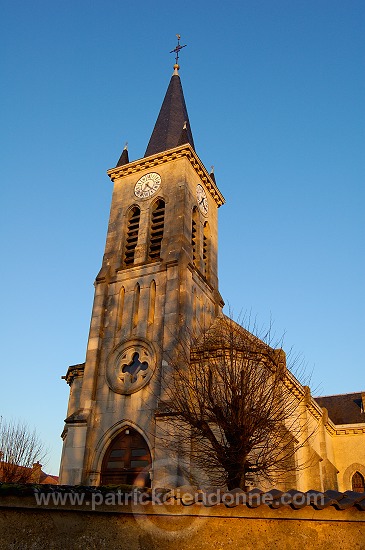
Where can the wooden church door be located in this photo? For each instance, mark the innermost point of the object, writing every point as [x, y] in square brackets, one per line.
[126, 460]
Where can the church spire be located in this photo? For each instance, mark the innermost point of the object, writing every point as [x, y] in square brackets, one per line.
[173, 116]
[123, 159]
[184, 138]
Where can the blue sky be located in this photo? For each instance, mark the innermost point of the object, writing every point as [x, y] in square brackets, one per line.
[275, 94]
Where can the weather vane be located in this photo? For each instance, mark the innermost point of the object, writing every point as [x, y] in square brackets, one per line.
[177, 49]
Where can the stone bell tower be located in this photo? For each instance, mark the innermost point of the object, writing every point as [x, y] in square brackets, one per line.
[159, 273]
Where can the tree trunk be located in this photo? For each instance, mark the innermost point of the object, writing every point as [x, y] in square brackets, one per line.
[236, 480]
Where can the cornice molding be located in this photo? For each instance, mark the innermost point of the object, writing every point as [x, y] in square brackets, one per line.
[316, 411]
[167, 156]
[74, 371]
[350, 429]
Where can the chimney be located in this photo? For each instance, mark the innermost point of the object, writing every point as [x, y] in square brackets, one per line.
[36, 472]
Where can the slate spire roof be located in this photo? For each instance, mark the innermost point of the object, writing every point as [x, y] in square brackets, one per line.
[123, 159]
[172, 125]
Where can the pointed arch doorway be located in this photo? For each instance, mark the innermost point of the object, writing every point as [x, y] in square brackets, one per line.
[127, 460]
[358, 483]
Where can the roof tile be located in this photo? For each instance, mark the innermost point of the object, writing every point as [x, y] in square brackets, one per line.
[274, 498]
[343, 409]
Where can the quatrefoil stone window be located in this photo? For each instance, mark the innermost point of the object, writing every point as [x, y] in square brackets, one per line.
[130, 366]
[134, 368]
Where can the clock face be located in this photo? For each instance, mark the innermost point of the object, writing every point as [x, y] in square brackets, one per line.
[202, 199]
[147, 185]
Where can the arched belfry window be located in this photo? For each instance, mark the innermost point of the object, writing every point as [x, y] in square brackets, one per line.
[132, 235]
[358, 483]
[194, 235]
[206, 248]
[127, 460]
[157, 228]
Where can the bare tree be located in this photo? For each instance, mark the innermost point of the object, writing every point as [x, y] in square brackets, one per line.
[230, 398]
[20, 449]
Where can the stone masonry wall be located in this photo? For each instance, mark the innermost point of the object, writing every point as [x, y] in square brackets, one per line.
[25, 525]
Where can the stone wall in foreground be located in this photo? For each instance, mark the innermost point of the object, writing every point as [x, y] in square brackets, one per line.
[26, 525]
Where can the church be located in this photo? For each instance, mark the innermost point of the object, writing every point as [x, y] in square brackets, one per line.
[159, 271]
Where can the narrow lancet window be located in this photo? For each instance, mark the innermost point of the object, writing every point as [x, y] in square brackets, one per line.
[157, 228]
[206, 244]
[194, 229]
[151, 305]
[195, 312]
[120, 308]
[137, 292]
[132, 235]
[202, 314]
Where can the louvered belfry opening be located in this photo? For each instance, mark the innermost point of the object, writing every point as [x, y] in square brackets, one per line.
[132, 235]
[157, 228]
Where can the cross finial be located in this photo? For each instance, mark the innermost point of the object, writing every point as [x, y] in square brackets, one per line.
[176, 51]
